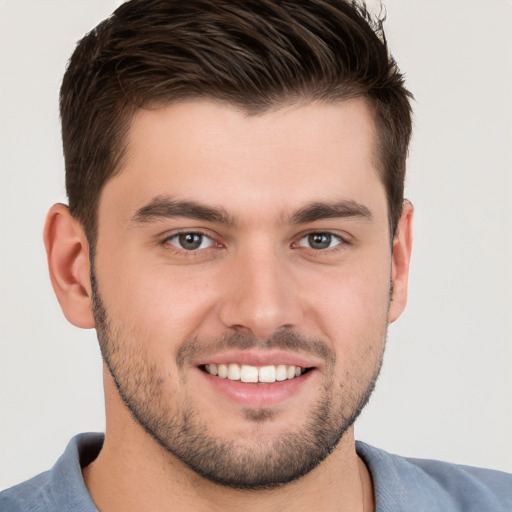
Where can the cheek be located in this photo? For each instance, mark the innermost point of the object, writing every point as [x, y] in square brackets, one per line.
[352, 308]
[155, 301]
[355, 323]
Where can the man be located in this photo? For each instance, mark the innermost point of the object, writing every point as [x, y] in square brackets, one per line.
[237, 234]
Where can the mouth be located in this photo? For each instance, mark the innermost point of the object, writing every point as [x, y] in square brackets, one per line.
[256, 379]
[254, 374]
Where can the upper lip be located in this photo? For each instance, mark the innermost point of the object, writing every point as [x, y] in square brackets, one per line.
[260, 358]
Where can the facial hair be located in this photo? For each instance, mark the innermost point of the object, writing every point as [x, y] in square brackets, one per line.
[172, 421]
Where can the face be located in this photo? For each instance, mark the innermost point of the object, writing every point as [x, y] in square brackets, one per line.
[242, 283]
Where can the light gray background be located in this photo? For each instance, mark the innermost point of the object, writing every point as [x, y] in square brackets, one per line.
[445, 391]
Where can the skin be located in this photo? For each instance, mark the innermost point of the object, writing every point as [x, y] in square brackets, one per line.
[256, 276]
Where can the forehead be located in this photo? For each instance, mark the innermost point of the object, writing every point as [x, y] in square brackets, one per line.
[215, 154]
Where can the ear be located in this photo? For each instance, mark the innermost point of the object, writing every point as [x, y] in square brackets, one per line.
[402, 247]
[67, 251]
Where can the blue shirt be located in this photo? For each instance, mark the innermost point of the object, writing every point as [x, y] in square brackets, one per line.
[400, 484]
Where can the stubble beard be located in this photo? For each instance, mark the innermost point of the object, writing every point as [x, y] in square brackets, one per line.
[259, 463]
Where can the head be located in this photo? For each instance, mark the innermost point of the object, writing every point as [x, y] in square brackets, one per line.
[257, 56]
[235, 173]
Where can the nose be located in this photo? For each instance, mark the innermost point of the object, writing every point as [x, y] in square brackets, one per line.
[260, 295]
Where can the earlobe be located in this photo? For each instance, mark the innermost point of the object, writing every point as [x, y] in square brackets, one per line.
[67, 251]
[402, 247]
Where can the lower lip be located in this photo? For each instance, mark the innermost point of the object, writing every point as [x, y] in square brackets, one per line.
[258, 395]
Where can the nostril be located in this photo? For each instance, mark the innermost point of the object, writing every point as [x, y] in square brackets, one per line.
[241, 329]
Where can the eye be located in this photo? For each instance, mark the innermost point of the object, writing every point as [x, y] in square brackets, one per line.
[320, 241]
[190, 241]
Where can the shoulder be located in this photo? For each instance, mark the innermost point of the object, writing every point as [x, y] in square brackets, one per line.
[60, 489]
[30, 495]
[424, 485]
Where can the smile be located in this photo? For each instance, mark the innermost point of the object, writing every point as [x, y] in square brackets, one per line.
[258, 378]
[254, 374]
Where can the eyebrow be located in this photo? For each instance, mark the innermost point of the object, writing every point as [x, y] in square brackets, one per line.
[341, 209]
[162, 207]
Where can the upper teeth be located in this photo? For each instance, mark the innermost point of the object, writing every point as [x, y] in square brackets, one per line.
[247, 373]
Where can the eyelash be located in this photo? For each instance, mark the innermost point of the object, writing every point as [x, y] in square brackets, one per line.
[342, 243]
[193, 252]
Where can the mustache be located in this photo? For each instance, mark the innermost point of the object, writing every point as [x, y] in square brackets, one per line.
[194, 348]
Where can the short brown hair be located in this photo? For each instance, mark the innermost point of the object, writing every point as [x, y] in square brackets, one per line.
[254, 54]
